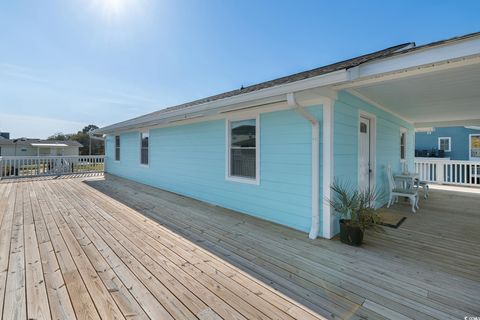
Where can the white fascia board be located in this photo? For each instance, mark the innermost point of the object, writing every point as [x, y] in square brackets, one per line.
[448, 51]
[48, 145]
[314, 82]
[451, 123]
[420, 61]
[424, 129]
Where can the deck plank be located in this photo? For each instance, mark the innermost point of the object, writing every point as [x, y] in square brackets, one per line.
[185, 255]
[59, 300]
[15, 305]
[181, 263]
[81, 300]
[9, 199]
[37, 300]
[154, 234]
[104, 302]
[120, 293]
[419, 302]
[94, 247]
[110, 267]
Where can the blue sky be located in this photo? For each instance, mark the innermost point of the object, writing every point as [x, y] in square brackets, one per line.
[68, 63]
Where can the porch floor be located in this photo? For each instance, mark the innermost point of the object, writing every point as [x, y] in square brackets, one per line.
[111, 248]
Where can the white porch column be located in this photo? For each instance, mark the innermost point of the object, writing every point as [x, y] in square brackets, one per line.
[327, 168]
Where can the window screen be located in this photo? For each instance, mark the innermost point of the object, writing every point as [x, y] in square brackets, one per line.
[243, 148]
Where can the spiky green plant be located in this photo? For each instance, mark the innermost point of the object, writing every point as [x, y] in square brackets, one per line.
[356, 206]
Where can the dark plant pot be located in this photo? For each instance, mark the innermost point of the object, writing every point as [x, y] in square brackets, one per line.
[351, 235]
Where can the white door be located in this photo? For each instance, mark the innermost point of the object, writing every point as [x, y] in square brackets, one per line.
[364, 153]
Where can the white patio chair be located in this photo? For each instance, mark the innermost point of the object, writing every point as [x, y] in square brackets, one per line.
[395, 192]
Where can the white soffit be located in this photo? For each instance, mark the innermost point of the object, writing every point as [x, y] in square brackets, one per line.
[451, 95]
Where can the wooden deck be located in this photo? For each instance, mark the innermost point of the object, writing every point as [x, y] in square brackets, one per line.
[95, 248]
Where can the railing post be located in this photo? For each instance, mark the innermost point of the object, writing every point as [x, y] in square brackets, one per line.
[440, 172]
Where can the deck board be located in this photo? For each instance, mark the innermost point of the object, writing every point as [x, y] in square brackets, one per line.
[98, 247]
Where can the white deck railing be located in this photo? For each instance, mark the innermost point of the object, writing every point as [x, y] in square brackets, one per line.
[14, 167]
[457, 172]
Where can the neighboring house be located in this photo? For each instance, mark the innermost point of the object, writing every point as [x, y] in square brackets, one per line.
[273, 150]
[37, 147]
[455, 143]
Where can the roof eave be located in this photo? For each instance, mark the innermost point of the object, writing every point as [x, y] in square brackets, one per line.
[335, 77]
[340, 79]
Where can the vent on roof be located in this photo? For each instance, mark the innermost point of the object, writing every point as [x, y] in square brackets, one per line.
[408, 46]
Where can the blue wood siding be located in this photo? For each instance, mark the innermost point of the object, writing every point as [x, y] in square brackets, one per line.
[190, 160]
[346, 127]
[460, 139]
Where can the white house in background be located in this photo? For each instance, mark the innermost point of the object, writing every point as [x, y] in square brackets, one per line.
[38, 147]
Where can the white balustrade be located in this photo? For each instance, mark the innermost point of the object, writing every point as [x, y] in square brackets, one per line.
[443, 171]
[18, 166]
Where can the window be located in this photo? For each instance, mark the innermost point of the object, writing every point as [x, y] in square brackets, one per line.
[444, 143]
[475, 147]
[403, 144]
[242, 151]
[144, 148]
[117, 148]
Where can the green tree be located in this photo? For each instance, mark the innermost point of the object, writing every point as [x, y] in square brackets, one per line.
[82, 136]
[60, 136]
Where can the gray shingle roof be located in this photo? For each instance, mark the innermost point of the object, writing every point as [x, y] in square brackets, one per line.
[346, 64]
[4, 141]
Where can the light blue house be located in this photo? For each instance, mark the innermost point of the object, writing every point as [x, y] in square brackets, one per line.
[457, 143]
[272, 150]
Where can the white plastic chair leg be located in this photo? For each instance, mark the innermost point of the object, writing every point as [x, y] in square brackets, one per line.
[413, 201]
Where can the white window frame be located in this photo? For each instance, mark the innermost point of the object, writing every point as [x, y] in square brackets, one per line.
[115, 147]
[148, 149]
[470, 147]
[449, 143]
[403, 131]
[228, 122]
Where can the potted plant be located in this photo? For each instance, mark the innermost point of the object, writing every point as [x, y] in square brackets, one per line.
[356, 210]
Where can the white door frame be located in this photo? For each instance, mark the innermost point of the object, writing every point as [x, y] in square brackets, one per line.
[373, 146]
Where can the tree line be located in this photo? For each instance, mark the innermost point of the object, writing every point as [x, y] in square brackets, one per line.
[89, 146]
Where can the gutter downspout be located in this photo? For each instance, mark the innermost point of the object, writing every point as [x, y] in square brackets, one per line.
[292, 103]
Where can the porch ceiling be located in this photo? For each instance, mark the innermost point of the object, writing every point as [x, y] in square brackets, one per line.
[441, 98]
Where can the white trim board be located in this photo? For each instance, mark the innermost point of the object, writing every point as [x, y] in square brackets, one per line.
[327, 168]
[373, 146]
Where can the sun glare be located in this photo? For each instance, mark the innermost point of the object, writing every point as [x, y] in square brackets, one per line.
[112, 8]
